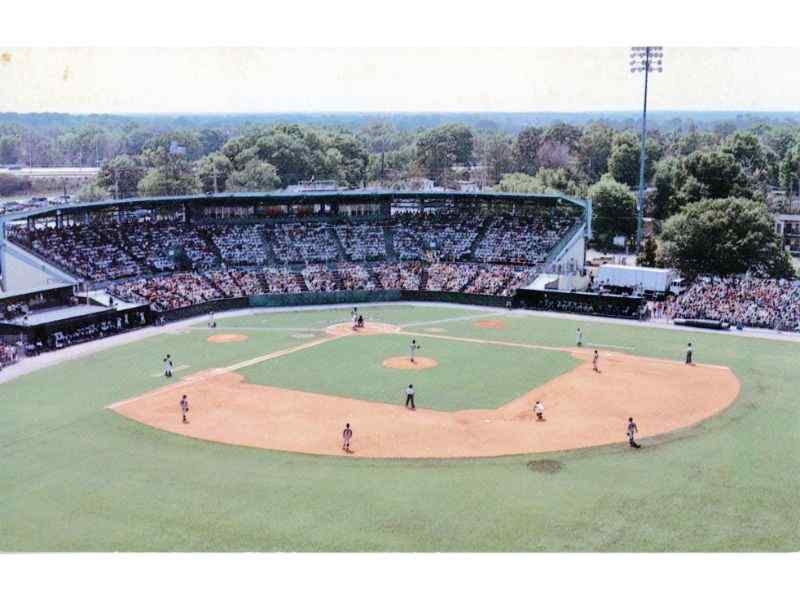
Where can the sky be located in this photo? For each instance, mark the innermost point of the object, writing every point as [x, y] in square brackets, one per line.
[231, 80]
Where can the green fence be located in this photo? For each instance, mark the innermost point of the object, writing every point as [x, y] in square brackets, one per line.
[340, 297]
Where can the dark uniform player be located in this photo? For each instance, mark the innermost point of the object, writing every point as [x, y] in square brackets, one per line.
[347, 435]
[689, 352]
[410, 397]
[184, 408]
[632, 431]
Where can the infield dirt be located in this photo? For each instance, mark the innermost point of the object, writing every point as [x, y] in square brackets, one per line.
[582, 409]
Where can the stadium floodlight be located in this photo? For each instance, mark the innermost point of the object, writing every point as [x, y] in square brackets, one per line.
[644, 59]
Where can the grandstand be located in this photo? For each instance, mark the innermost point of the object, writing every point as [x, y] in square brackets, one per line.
[173, 253]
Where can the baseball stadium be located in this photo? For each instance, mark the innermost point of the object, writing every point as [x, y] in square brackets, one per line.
[381, 370]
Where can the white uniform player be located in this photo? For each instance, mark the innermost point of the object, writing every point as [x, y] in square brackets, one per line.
[579, 337]
[412, 349]
[167, 366]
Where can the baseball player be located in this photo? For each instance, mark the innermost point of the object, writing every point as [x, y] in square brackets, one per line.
[167, 366]
[632, 431]
[184, 408]
[347, 435]
[538, 410]
[413, 348]
[596, 361]
[211, 321]
[689, 353]
[579, 338]
[410, 397]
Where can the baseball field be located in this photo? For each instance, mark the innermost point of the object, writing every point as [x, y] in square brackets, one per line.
[95, 456]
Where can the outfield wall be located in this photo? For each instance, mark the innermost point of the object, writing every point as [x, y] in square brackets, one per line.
[339, 297]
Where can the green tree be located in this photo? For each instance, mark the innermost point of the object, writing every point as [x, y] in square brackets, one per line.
[613, 209]
[436, 153]
[748, 152]
[594, 149]
[623, 161]
[257, 176]
[121, 175]
[726, 236]
[648, 257]
[213, 172]
[168, 175]
[667, 181]
[563, 133]
[11, 184]
[719, 173]
[546, 181]
[496, 156]
[92, 191]
[525, 149]
[9, 150]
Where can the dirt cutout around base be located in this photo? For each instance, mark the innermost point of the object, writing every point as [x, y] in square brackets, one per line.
[227, 338]
[490, 324]
[582, 409]
[404, 363]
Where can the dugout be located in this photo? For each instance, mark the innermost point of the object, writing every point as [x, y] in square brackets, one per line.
[600, 305]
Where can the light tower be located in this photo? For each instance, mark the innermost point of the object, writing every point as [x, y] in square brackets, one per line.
[647, 59]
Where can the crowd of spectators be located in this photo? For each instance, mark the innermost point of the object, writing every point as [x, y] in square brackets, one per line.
[160, 244]
[399, 276]
[167, 292]
[354, 277]
[239, 245]
[450, 277]
[499, 280]
[94, 252]
[364, 241]
[749, 302]
[447, 236]
[303, 242]
[8, 354]
[283, 281]
[319, 279]
[521, 240]
[234, 283]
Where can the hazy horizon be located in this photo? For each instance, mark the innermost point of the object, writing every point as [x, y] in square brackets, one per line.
[391, 80]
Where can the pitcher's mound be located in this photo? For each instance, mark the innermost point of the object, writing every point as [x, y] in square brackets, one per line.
[403, 362]
[227, 338]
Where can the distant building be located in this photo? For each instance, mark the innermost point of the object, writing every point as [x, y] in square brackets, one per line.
[788, 226]
[323, 185]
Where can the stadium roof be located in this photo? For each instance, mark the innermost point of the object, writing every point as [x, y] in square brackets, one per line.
[282, 197]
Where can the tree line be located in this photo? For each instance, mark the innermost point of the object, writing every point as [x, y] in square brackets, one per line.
[687, 167]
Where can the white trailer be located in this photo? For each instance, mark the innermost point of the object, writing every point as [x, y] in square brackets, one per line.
[647, 279]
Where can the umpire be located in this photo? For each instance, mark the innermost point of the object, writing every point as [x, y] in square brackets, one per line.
[410, 397]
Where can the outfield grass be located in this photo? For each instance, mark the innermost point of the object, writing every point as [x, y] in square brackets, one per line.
[76, 477]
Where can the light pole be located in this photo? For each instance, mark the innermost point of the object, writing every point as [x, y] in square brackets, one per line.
[647, 59]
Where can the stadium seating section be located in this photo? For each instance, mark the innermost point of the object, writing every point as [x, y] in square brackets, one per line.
[172, 264]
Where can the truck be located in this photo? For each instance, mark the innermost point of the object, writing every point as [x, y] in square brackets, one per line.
[646, 279]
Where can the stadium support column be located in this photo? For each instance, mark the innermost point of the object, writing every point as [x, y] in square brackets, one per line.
[3, 266]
